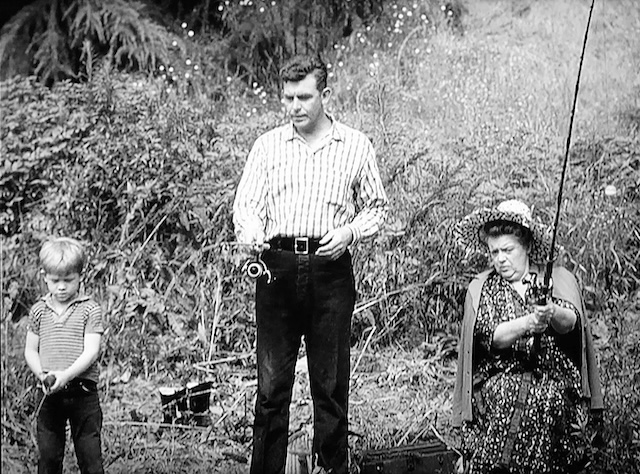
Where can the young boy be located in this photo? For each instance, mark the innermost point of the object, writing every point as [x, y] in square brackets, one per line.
[61, 349]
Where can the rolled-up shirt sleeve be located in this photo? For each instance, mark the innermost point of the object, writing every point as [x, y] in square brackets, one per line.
[372, 204]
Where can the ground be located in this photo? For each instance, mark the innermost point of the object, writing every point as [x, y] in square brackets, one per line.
[397, 397]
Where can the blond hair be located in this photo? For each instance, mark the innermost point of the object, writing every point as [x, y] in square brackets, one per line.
[62, 255]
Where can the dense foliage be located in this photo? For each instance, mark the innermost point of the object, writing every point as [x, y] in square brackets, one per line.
[191, 43]
[67, 38]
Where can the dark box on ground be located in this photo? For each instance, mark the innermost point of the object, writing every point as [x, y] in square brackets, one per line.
[424, 458]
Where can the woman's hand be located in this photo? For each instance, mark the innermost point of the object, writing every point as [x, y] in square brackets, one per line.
[540, 318]
[561, 319]
[546, 312]
[535, 322]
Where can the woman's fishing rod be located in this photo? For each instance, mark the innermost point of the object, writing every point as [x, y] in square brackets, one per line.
[543, 293]
[550, 258]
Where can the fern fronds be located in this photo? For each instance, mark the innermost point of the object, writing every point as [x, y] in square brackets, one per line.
[30, 18]
[135, 39]
[85, 22]
[52, 52]
[63, 32]
[88, 58]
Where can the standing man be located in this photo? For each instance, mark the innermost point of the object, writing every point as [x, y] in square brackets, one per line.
[309, 190]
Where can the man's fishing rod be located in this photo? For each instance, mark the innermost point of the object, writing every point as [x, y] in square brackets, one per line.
[543, 293]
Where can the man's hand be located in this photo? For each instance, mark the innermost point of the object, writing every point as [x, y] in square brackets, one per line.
[334, 243]
[255, 248]
[252, 243]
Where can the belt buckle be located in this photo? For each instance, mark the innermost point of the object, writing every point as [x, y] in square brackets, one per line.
[301, 245]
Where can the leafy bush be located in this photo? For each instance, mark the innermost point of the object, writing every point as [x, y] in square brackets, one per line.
[67, 38]
[117, 164]
[260, 34]
[70, 39]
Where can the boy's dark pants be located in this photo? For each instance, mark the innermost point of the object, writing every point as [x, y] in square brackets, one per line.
[312, 297]
[79, 404]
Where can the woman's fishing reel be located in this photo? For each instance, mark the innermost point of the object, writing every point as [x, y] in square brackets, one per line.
[255, 268]
[537, 293]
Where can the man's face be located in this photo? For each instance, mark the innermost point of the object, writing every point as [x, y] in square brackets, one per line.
[305, 103]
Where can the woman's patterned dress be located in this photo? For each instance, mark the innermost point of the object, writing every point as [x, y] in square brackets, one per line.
[543, 439]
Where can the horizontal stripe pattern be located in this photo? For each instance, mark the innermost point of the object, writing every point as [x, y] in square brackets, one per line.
[288, 189]
[61, 337]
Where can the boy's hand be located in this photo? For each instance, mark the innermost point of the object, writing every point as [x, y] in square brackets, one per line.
[59, 380]
[48, 381]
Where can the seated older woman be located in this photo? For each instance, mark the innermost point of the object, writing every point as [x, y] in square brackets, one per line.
[515, 399]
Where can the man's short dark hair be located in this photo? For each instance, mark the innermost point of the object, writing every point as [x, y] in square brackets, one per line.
[299, 67]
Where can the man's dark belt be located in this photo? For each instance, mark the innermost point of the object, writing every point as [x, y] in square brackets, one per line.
[299, 245]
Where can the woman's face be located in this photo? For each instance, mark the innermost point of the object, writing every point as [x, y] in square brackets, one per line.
[509, 257]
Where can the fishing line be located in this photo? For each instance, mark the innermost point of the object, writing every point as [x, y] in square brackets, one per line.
[34, 421]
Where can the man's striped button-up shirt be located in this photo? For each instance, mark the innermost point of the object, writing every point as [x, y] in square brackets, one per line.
[289, 189]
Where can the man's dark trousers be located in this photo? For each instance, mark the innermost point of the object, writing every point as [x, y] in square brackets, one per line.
[312, 297]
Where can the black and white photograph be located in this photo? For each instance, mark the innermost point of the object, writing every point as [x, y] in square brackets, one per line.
[320, 236]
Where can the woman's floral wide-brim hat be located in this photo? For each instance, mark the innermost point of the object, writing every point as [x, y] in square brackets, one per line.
[468, 232]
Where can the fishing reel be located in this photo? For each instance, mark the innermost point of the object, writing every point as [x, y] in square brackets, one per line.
[537, 293]
[255, 268]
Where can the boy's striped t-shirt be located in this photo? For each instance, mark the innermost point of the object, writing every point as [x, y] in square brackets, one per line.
[61, 337]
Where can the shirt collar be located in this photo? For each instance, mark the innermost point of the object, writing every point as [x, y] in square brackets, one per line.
[48, 299]
[335, 132]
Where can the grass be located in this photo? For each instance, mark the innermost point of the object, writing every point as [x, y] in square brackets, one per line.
[457, 122]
